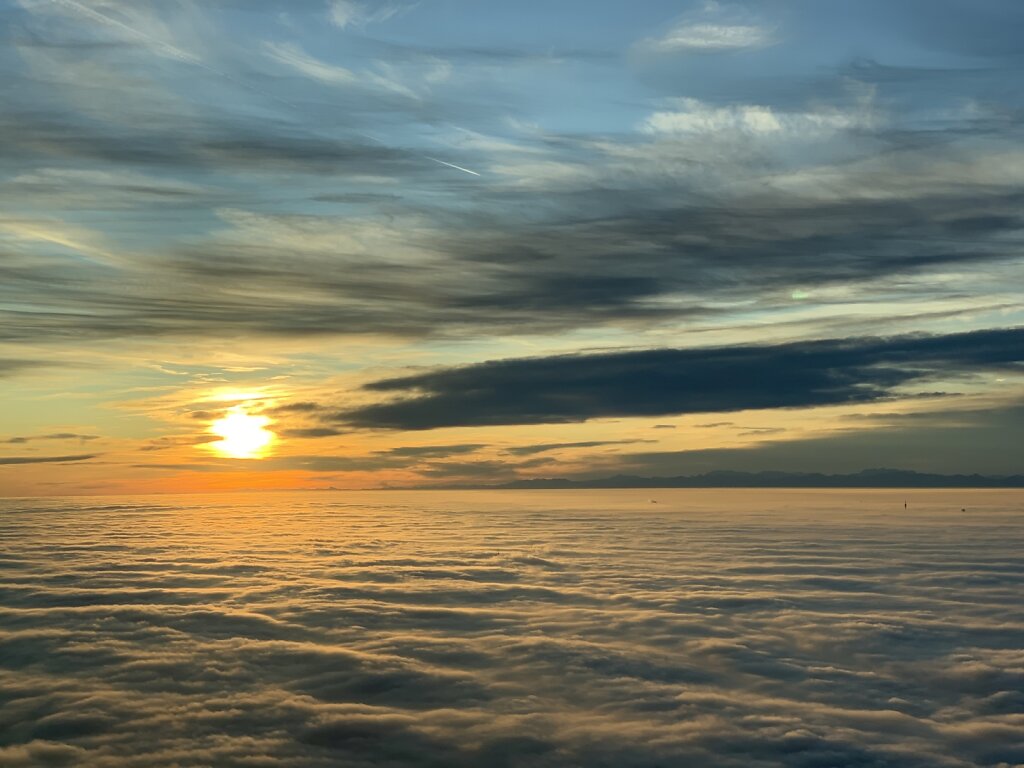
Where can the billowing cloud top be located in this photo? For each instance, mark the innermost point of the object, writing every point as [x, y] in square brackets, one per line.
[597, 629]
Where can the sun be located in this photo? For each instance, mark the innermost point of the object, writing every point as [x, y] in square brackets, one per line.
[243, 436]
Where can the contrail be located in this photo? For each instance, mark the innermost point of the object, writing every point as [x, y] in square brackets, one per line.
[451, 165]
[190, 58]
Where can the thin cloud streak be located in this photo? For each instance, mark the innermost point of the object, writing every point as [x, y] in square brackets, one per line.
[452, 165]
[188, 58]
[47, 459]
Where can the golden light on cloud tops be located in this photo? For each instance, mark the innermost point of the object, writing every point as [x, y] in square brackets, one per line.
[243, 435]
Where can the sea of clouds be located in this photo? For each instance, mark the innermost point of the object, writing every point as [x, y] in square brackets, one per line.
[711, 628]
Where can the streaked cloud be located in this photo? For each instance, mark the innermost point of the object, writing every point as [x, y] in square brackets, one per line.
[292, 56]
[707, 37]
[46, 459]
[530, 450]
[353, 13]
[55, 436]
[432, 451]
[411, 81]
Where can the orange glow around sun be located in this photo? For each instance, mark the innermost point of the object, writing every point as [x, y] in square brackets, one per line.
[243, 436]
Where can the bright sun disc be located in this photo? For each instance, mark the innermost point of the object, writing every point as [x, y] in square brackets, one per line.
[242, 435]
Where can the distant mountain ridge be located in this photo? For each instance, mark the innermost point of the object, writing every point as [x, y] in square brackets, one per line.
[868, 478]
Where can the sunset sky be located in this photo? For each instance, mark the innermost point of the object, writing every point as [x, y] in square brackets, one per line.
[347, 244]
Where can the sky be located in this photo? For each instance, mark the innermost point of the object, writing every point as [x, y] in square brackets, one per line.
[346, 244]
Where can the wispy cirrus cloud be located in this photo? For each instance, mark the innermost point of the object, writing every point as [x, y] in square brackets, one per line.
[411, 81]
[361, 13]
[294, 57]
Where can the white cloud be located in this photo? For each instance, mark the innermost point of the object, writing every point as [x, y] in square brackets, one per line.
[693, 116]
[713, 28]
[409, 82]
[348, 13]
[712, 37]
[294, 57]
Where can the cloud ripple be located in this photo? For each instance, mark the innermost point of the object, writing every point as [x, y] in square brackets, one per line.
[402, 629]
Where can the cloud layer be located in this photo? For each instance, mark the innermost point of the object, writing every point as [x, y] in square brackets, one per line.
[534, 630]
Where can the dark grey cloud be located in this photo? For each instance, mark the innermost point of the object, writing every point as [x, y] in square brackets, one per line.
[432, 451]
[11, 366]
[297, 407]
[312, 432]
[46, 459]
[458, 472]
[529, 450]
[762, 431]
[574, 271]
[174, 441]
[55, 436]
[421, 458]
[572, 388]
[330, 463]
[431, 462]
[171, 142]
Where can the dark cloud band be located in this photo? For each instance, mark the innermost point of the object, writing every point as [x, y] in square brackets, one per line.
[574, 388]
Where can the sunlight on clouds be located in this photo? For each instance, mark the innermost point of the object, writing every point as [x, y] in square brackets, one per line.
[731, 629]
[243, 436]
